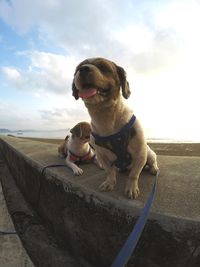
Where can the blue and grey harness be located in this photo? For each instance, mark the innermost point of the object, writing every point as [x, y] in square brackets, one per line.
[118, 144]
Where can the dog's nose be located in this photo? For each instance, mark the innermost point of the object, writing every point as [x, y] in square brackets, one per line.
[84, 69]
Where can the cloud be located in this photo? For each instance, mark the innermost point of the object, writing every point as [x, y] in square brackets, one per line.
[155, 41]
[146, 50]
[12, 116]
[63, 117]
[46, 73]
[98, 28]
[12, 73]
[75, 25]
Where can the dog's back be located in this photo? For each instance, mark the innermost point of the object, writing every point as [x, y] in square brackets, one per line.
[62, 149]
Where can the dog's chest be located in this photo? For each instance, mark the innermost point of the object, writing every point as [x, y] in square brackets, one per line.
[119, 146]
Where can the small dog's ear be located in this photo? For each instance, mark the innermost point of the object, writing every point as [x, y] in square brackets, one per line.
[67, 137]
[76, 130]
[123, 82]
[85, 129]
[75, 91]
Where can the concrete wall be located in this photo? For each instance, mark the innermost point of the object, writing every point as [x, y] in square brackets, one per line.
[12, 253]
[93, 227]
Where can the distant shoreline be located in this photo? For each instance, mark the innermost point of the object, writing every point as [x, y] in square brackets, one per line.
[57, 134]
[61, 134]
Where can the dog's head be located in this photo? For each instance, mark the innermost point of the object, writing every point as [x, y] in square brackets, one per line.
[97, 80]
[82, 131]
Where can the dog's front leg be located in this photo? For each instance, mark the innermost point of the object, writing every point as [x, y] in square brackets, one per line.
[76, 170]
[110, 182]
[105, 159]
[131, 188]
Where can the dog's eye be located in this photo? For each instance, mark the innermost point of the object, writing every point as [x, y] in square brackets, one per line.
[104, 68]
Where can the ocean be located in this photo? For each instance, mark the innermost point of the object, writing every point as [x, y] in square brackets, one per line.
[54, 134]
[61, 134]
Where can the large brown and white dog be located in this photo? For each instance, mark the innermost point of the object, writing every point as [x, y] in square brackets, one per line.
[76, 147]
[117, 135]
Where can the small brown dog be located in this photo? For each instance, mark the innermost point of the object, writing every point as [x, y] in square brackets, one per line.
[117, 135]
[76, 147]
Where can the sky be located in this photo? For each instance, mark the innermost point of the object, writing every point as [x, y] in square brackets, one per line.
[156, 42]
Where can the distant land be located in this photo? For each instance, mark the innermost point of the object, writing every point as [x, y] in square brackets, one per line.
[4, 130]
[59, 133]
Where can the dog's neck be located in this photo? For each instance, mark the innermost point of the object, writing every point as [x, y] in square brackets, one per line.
[77, 147]
[105, 119]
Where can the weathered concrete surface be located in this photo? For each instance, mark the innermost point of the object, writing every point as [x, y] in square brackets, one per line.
[163, 148]
[176, 149]
[39, 242]
[94, 225]
[12, 253]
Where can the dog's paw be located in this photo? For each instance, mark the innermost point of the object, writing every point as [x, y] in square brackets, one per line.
[96, 162]
[106, 186]
[154, 170]
[100, 166]
[132, 193]
[78, 171]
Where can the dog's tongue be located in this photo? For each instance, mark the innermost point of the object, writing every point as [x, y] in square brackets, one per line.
[88, 93]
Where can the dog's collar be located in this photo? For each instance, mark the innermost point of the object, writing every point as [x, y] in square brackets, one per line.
[114, 136]
[118, 144]
[75, 158]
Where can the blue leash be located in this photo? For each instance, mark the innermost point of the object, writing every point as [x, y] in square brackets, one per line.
[130, 244]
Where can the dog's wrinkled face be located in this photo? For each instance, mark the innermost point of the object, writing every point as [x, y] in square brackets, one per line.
[82, 131]
[98, 80]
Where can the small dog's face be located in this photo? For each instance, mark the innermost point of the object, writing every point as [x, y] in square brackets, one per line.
[98, 80]
[81, 131]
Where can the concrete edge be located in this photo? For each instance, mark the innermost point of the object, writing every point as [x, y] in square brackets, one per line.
[38, 241]
[61, 205]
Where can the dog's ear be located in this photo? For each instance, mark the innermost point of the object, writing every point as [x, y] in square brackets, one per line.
[66, 138]
[75, 91]
[86, 129]
[123, 82]
[76, 130]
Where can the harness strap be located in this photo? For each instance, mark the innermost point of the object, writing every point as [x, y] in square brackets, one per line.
[114, 136]
[118, 144]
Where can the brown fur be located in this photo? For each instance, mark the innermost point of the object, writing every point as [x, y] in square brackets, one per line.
[62, 149]
[81, 130]
[109, 114]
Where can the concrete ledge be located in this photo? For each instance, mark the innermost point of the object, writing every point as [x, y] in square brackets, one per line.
[93, 225]
[39, 242]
